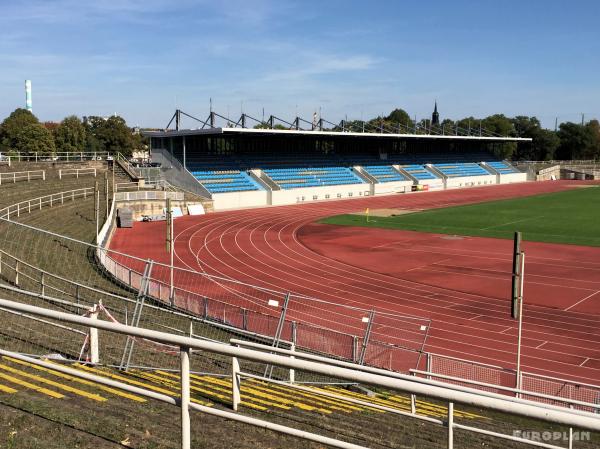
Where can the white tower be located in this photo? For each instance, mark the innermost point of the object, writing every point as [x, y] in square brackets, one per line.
[28, 104]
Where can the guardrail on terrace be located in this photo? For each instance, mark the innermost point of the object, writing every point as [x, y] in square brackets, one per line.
[22, 176]
[501, 380]
[57, 156]
[408, 384]
[77, 172]
[47, 200]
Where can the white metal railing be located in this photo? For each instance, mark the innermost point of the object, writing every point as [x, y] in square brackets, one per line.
[497, 378]
[146, 184]
[58, 156]
[77, 172]
[148, 195]
[405, 383]
[47, 200]
[22, 176]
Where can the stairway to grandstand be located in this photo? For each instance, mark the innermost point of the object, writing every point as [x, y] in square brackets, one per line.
[291, 178]
[463, 169]
[502, 167]
[419, 172]
[221, 181]
[384, 173]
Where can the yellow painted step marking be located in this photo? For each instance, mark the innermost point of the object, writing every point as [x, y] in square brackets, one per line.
[77, 379]
[31, 386]
[443, 410]
[292, 393]
[262, 397]
[136, 383]
[224, 398]
[402, 403]
[5, 389]
[77, 391]
[317, 390]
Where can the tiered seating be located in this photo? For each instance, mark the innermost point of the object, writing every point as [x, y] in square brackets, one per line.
[502, 167]
[418, 172]
[384, 173]
[221, 181]
[292, 178]
[461, 169]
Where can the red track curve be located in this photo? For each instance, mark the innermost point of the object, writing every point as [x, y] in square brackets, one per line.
[281, 248]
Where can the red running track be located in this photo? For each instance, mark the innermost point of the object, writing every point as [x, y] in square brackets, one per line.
[462, 284]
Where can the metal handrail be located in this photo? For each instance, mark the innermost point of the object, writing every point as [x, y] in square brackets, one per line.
[412, 385]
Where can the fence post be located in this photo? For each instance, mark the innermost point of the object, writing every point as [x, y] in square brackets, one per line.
[235, 383]
[17, 273]
[571, 432]
[137, 313]
[245, 319]
[185, 397]
[205, 307]
[354, 348]
[292, 370]
[278, 331]
[450, 425]
[42, 281]
[366, 338]
[43, 175]
[94, 355]
[428, 364]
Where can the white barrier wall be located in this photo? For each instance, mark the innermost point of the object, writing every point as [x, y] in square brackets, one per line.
[512, 177]
[308, 194]
[431, 184]
[470, 181]
[393, 187]
[237, 200]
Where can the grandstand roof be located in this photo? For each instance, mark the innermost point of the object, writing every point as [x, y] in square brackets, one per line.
[291, 132]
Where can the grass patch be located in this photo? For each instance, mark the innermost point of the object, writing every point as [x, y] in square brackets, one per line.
[570, 217]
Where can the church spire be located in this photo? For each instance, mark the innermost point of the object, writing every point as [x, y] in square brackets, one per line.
[435, 117]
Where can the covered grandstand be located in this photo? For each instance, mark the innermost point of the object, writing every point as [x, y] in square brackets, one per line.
[240, 167]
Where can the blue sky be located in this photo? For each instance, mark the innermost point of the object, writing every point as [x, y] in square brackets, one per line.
[141, 58]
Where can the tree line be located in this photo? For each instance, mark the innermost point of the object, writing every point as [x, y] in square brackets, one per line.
[22, 132]
[569, 141]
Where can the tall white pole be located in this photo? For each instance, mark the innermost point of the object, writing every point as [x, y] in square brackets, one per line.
[185, 397]
[522, 277]
[172, 292]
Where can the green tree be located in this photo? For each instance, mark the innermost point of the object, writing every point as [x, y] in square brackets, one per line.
[34, 138]
[70, 136]
[12, 126]
[593, 128]
[576, 141]
[543, 145]
[112, 135]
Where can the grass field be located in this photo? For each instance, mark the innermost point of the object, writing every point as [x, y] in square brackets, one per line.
[571, 217]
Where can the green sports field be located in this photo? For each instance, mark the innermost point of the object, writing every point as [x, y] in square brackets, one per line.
[571, 216]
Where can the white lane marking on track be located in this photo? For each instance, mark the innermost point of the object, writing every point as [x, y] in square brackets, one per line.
[510, 222]
[581, 300]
